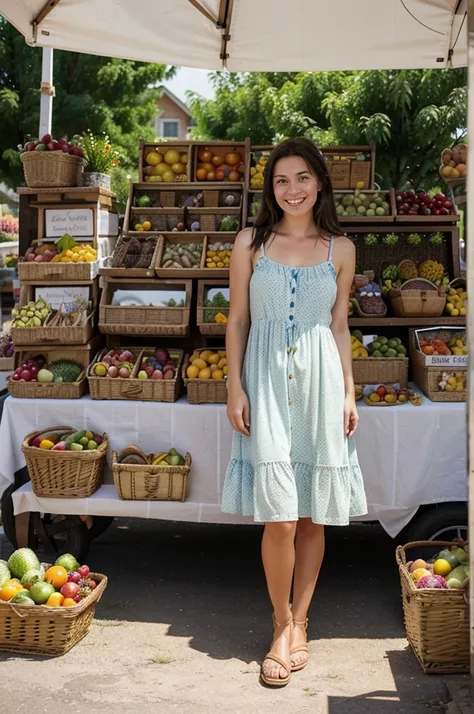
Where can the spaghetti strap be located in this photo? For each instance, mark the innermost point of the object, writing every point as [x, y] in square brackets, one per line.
[262, 250]
[331, 246]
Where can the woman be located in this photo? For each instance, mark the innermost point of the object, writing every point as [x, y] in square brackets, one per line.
[290, 388]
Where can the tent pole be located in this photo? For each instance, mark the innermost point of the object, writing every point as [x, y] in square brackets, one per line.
[469, 238]
[47, 92]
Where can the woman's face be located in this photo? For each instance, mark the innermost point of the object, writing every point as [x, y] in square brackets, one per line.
[295, 187]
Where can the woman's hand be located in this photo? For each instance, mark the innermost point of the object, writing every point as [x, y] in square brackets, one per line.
[351, 417]
[238, 411]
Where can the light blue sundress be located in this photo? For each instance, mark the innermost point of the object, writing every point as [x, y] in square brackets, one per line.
[297, 462]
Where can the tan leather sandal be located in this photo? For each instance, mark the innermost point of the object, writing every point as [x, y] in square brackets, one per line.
[277, 681]
[300, 648]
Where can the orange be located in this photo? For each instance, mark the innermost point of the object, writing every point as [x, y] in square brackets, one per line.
[56, 575]
[55, 600]
[68, 602]
[9, 591]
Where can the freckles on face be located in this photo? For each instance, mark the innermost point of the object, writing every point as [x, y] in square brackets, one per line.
[295, 187]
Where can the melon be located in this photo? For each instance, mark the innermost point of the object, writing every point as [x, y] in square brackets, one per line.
[21, 561]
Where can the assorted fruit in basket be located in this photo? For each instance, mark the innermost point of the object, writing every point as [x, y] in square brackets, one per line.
[47, 143]
[213, 167]
[358, 203]
[7, 347]
[387, 394]
[207, 364]
[26, 581]
[115, 364]
[257, 171]
[456, 302]
[420, 203]
[453, 381]
[449, 569]
[66, 250]
[165, 165]
[454, 162]
[39, 370]
[134, 455]
[9, 261]
[55, 440]
[158, 366]
[455, 345]
[34, 314]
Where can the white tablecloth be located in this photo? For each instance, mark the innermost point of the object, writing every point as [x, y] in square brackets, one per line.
[409, 455]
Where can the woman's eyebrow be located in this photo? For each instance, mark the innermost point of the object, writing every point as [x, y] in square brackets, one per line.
[298, 174]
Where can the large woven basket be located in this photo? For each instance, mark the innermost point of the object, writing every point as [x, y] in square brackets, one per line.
[436, 621]
[48, 631]
[428, 377]
[380, 370]
[137, 482]
[205, 391]
[64, 474]
[53, 335]
[406, 302]
[29, 270]
[48, 390]
[49, 169]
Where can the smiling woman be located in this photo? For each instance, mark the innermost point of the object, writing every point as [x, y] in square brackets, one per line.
[291, 395]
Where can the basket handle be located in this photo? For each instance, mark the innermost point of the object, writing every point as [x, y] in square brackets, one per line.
[131, 391]
[18, 612]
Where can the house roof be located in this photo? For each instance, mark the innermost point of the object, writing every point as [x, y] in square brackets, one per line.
[175, 99]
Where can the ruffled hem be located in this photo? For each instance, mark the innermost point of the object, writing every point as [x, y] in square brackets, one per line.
[280, 491]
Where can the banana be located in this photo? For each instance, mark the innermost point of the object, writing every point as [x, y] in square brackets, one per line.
[159, 457]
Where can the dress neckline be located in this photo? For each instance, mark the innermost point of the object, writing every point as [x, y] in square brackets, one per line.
[296, 267]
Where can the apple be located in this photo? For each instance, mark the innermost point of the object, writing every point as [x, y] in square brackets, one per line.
[112, 372]
[124, 372]
[83, 571]
[26, 375]
[70, 589]
[47, 138]
[157, 374]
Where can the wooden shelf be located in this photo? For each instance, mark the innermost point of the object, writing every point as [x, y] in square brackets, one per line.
[160, 211]
[407, 321]
[25, 191]
[188, 185]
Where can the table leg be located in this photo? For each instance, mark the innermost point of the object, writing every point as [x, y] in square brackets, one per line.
[22, 524]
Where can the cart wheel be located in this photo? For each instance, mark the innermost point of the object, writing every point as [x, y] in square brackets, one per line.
[99, 525]
[63, 534]
[8, 519]
[444, 521]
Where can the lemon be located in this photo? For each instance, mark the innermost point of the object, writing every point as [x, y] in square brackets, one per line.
[218, 374]
[441, 567]
[76, 258]
[153, 158]
[183, 158]
[222, 353]
[138, 227]
[214, 367]
[205, 354]
[460, 387]
[205, 373]
[192, 372]
[146, 225]
[222, 362]
[455, 312]
[200, 363]
[213, 359]
[453, 381]
[225, 369]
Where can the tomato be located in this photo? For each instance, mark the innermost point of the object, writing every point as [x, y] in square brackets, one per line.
[56, 575]
[55, 600]
[10, 590]
[68, 602]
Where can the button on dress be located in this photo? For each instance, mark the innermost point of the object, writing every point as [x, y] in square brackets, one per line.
[297, 461]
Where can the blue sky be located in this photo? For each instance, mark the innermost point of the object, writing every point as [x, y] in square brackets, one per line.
[190, 79]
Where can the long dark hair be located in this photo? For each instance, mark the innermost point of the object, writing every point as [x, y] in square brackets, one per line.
[324, 210]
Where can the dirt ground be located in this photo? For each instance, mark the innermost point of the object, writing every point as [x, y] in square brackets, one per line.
[185, 622]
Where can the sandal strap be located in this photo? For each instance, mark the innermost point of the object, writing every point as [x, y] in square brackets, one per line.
[301, 623]
[278, 660]
[284, 624]
[301, 648]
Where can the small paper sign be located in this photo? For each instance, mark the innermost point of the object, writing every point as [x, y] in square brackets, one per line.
[446, 360]
[108, 223]
[79, 222]
[56, 296]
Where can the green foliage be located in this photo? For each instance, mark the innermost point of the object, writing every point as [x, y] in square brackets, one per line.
[99, 156]
[410, 114]
[105, 95]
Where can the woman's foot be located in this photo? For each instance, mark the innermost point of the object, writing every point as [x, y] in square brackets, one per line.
[276, 667]
[299, 645]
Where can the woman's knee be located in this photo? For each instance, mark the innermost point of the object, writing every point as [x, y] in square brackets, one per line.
[306, 527]
[281, 530]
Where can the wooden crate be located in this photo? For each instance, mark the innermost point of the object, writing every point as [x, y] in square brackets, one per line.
[209, 328]
[221, 148]
[184, 147]
[428, 377]
[388, 197]
[210, 195]
[144, 319]
[31, 271]
[130, 273]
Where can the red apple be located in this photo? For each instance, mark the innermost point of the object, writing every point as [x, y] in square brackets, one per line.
[73, 577]
[157, 374]
[70, 589]
[46, 139]
[124, 372]
[83, 571]
[26, 375]
[112, 372]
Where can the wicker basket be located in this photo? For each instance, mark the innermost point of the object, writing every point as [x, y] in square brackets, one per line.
[428, 377]
[136, 482]
[49, 169]
[47, 335]
[205, 391]
[380, 370]
[141, 390]
[31, 271]
[48, 631]
[418, 303]
[360, 313]
[64, 474]
[209, 328]
[436, 621]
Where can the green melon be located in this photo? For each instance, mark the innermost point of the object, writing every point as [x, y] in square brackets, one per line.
[21, 561]
[4, 573]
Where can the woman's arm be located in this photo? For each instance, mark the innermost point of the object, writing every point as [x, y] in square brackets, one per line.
[237, 331]
[340, 327]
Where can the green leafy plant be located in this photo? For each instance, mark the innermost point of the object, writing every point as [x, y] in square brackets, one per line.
[99, 156]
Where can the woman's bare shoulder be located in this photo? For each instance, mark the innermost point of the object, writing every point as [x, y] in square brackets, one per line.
[344, 246]
[244, 238]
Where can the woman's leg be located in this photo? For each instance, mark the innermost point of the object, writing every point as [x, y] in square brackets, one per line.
[309, 556]
[278, 555]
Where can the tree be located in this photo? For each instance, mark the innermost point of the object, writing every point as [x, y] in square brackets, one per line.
[102, 94]
[411, 115]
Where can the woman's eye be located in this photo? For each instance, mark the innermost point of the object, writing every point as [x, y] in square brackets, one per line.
[281, 181]
[304, 177]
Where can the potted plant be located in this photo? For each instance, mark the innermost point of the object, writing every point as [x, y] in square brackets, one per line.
[99, 159]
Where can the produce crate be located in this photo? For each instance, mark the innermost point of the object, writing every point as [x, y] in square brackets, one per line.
[48, 631]
[31, 271]
[181, 238]
[64, 474]
[209, 328]
[205, 391]
[220, 149]
[183, 147]
[144, 319]
[45, 169]
[428, 377]
[428, 220]
[418, 302]
[137, 482]
[380, 370]
[107, 271]
[53, 390]
[142, 390]
[436, 621]
[387, 196]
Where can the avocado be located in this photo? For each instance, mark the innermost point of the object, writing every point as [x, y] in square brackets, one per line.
[390, 353]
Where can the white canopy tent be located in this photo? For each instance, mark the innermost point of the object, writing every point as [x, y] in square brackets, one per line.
[253, 35]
